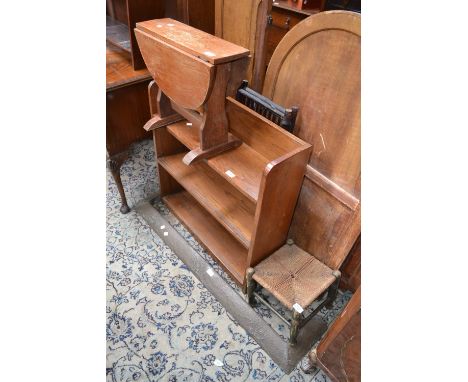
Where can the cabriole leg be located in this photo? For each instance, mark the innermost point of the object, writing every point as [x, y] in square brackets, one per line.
[114, 165]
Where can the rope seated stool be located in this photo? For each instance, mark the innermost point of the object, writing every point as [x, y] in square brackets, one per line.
[296, 279]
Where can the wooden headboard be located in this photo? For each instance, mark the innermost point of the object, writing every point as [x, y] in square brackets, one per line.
[317, 66]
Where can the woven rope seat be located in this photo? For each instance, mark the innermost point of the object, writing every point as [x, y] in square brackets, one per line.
[293, 276]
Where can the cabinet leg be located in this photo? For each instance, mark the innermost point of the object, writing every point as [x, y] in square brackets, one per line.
[114, 164]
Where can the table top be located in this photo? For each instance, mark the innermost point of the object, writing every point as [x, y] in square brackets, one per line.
[119, 69]
[193, 41]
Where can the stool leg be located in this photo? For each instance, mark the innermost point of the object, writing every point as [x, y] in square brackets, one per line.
[333, 290]
[250, 285]
[312, 364]
[295, 322]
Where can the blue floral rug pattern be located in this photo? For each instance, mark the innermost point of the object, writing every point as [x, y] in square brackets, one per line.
[162, 323]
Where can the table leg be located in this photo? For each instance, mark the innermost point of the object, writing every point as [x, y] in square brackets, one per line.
[114, 163]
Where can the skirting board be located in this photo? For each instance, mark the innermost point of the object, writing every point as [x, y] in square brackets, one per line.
[284, 355]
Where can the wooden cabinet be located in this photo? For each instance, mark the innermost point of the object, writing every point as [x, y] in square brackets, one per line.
[127, 110]
[339, 352]
[122, 16]
[342, 5]
[199, 14]
[305, 4]
[283, 18]
[285, 14]
[127, 102]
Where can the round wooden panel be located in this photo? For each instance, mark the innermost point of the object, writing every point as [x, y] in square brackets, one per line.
[317, 66]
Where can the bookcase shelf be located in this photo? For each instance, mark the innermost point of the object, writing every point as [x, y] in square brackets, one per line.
[229, 207]
[215, 239]
[243, 167]
[121, 18]
[117, 34]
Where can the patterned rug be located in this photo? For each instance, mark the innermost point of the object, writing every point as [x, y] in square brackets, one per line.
[162, 323]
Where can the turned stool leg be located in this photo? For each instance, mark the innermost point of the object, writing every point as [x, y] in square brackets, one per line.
[114, 164]
[333, 290]
[250, 285]
[295, 323]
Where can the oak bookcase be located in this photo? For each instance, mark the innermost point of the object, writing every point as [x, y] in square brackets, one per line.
[238, 204]
[230, 175]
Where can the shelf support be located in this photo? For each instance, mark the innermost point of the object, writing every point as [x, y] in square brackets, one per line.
[198, 154]
[161, 109]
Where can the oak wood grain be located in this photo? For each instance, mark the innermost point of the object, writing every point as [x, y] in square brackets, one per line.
[139, 10]
[332, 188]
[351, 268]
[171, 51]
[169, 185]
[165, 144]
[119, 69]
[117, 9]
[317, 67]
[283, 19]
[244, 22]
[126, 111]
[185, 132]
[339, 352]
[264, 136]
[166, 63]
[279, 189]
[214, 126]
[199, 154]
[242, 167]
[193, 41]
[199, 14]
[157, 121]
[227, 205]
[214, 238]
